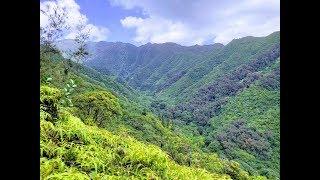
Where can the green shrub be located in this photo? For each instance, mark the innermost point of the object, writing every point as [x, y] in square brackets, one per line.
[99, 107]
[49, 98]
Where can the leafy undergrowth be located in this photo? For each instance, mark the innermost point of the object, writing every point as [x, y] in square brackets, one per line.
[73, 149]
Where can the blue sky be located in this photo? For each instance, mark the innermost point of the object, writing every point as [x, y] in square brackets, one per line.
[102, 13]
[186, 22]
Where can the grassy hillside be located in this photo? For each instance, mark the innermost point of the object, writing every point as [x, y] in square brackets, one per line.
[94, 127]
[72, 150]
[210, 111]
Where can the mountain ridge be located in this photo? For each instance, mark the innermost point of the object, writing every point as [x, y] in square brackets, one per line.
[149, 43]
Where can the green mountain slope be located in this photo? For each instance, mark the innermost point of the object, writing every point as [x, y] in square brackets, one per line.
[93, 127]
[255, 114]
[146, 67]
[240, 118]
[236, 53]
[196, 104]
[174, 72]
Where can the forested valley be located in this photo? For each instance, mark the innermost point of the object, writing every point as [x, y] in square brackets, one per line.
[160, 111]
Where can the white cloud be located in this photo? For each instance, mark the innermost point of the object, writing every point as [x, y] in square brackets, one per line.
[159, 30]
[193, 22]
[131, 21]
[74, 18]
[127, 4]
[244, 28]
[96, 33]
